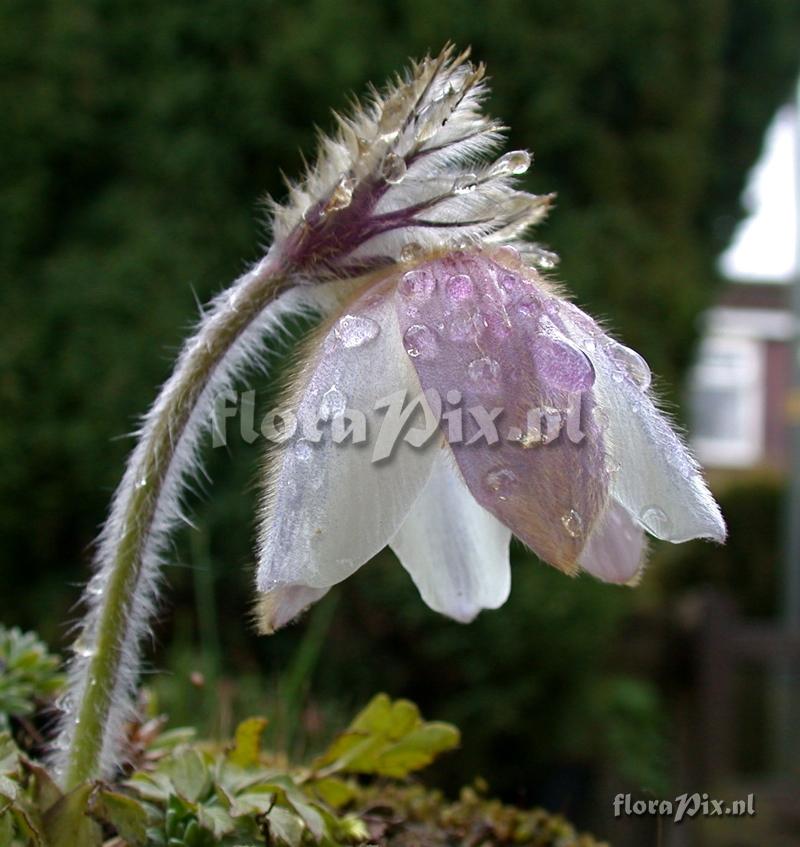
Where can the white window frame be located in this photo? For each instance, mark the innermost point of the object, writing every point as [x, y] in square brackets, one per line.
[747, 447]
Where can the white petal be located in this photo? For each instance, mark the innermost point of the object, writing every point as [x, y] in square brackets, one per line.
[282, 605]
[455, 551]
[657, 480]
[329, 507]
[615, 549]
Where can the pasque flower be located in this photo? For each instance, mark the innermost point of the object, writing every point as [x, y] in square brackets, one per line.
[477, 326]
[458, 309]
[406, 237]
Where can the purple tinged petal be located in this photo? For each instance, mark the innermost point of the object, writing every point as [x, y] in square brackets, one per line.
[516, 371]
[616, 547]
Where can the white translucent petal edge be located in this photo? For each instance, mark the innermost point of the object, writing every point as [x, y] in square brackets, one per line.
[282, 605]
[329, 508]
[616, 548]
[657, 479]
[456, 552]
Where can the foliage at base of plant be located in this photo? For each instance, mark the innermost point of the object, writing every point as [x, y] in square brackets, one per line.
[28, 674]
[182, 792]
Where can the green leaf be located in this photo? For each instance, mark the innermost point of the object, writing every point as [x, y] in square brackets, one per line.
[335, 792]
[189, 774]
[66, 823]
[126, 814]
[389, 739]
[8, 789]
[257, 800]
[285, 827]
[215, 820]
[248, 742]
[6, 828]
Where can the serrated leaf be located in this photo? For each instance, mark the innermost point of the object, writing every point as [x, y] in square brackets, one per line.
[417, 750]
[389, 739]
[189, 775]
[256, 800]
[126, 814]
[247, 745]
[215, 820]
[155, 787]
[285, 827]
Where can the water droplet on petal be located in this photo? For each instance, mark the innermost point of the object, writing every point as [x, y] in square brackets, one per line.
[483, 370]
[393, 169]
[573, 523]
[510, 286]
[411, 252]
[500, 481]
[356, 330]
[631, 363]
[459, 287]
[656, 521]
[418, 285]
[514, 162]
[465, 183]
[420, 342]
[141, 482]
[509, 256]
[333, 404]
[544, 259]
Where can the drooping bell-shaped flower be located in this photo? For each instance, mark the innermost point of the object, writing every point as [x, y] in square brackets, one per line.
[556, 440]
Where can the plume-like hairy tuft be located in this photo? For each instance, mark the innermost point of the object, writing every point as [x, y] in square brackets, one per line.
[408, 170]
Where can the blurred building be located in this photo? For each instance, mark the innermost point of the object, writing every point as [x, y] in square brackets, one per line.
[741, 382]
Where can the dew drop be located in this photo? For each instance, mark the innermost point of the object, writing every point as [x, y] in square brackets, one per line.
[656, 521]
[356, 330]
[509, 256]
[459, 287]
[420, 342]
[632, 364]
[510, 286]
[465, 184]
[141, 482]
[83, 649]
[393, 169]
[500, 481]
[333, 404]
[411, 252]
[573, 523]
[341, 195]
[544, 259]
[483, 370]
[514, 162]
[418, 285]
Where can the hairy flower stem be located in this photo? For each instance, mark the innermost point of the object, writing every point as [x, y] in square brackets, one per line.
[144, 508]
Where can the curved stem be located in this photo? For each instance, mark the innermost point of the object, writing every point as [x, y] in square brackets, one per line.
[144, 508]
